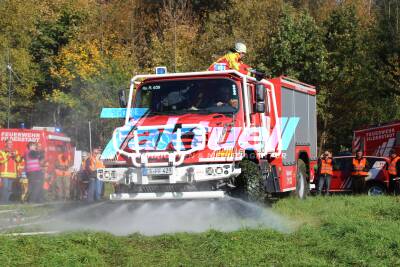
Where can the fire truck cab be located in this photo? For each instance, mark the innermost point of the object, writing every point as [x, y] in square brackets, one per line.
[204, 134]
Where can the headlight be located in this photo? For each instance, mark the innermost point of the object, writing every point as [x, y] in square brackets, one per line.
[209, 171]
[218, 170]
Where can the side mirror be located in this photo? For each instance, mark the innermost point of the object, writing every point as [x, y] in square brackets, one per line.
[259, 107]
[122, 98]
[260, 93]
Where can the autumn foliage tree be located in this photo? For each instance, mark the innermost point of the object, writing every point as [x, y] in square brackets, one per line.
[70, 57]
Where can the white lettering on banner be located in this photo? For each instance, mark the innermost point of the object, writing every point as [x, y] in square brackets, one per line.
[381, 134]
[20, 137]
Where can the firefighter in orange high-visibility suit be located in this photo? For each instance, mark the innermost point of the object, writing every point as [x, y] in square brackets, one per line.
[359, 172]
[9, 160]
[63, 176]
[233, 60]
[394, 172]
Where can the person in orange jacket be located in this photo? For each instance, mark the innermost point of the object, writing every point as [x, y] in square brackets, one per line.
[9, 160]
[233, 60]
[95, 185]
[359, 172]
[63, 176]
[394, 172]
[325, 172]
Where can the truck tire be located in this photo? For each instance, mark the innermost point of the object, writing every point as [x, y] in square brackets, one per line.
[375, 189]
[302, 185]
[249, 184]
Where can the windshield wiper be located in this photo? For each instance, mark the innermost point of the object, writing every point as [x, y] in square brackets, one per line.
[164, 112]
[188, 111]
[200, 111]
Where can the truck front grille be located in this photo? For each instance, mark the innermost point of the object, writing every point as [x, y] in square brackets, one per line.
[184, 187]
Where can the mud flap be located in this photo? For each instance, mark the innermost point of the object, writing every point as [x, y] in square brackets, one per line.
[271, 182]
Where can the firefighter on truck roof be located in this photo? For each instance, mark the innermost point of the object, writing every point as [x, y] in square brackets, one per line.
[394, 172]
[233, 60]
[359, 172]
[9, 160]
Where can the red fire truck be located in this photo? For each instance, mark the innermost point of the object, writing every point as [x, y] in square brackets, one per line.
[203, 134]
[49, 140]
[378, 140]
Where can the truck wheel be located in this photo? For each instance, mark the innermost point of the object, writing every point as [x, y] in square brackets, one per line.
[302, 186]
[375, 190]
[249, 184]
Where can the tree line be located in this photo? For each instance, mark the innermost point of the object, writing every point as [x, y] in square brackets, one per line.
[61, 61]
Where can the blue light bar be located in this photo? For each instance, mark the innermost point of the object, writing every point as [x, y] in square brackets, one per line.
[161, 70]
[219, 66]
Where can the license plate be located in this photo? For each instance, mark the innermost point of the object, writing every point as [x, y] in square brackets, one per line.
[157, 171]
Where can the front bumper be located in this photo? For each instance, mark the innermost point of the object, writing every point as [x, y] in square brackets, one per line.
[181, 174]
[168, 195]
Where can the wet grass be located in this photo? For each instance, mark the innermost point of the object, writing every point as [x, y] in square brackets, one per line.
[340, 230]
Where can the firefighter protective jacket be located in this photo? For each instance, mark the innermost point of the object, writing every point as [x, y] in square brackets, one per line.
[232, 61]
[9, 164]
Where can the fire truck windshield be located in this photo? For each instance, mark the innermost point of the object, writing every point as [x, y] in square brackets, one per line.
[189, 96]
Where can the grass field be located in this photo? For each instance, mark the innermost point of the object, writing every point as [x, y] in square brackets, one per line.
[339, 230]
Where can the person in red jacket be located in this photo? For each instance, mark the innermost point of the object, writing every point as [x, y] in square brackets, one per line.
[325, 171]
[9, 160]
